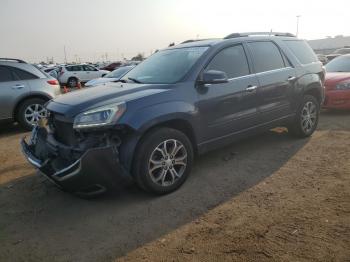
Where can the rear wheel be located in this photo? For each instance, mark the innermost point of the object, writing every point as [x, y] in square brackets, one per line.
[72, 82]
[30, 112]
[163, 161]
[306, 120]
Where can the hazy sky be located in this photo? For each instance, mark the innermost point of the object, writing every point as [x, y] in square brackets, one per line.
[36, 29]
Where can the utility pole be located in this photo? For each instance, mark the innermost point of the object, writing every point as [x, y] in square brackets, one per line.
[65, 54]
[298, 16]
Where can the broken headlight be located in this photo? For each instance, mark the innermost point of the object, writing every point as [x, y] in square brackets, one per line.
[98, 117]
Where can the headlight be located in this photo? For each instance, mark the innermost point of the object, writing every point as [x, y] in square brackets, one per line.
[343, 86]
[101, 116]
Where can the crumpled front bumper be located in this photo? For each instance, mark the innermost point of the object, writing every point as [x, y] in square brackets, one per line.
[96, 171]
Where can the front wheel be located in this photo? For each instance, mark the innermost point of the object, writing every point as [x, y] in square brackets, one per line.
[163, 161]
[306, 119]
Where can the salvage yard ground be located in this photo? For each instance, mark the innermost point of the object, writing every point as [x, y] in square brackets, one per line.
[270, 197]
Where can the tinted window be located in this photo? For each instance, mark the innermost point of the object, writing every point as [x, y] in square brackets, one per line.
[266, 56]
[89, 68]
[232, 61]
[23, 75]
[339, 64]
[302, 51]
[5, 74]
[74, 68]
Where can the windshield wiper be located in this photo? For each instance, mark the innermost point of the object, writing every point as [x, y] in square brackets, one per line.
[119, 80]
[134, 80]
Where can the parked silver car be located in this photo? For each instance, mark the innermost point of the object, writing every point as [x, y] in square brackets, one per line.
[24, 89]
[110, 77]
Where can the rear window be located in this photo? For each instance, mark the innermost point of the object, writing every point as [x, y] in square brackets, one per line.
[302, 51]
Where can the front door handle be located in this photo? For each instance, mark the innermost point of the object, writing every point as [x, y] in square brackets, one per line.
[292, 78]
[251, 88]
[17, 86]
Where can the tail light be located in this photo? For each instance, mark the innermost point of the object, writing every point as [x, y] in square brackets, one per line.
[53, 82]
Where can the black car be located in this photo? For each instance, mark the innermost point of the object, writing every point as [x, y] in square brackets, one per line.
[182, 101]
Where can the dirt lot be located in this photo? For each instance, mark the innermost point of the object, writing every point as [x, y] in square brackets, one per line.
[269, 197]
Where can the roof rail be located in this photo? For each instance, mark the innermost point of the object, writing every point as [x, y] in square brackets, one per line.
[195, 40]
[13, 59]
[235, 35]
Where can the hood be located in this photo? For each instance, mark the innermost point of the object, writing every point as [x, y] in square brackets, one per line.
[81, 100]
[333, 78]
[100, 81]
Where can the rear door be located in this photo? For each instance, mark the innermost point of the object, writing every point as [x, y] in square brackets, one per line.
[229, 107]
[77, 71]
[12, 88]
[276, 78]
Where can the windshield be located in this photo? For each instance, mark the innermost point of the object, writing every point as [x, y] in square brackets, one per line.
[118, 73]
[339, 64]
[166, 67]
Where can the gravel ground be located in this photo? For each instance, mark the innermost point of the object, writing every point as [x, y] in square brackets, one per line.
[270, 197]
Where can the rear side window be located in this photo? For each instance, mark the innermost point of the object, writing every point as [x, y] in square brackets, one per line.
[302, 51]
[232, 61]
[266, 56]
[5, 74]
[74, 68]
[23, 75]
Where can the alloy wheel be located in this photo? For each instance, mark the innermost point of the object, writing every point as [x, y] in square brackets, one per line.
[168, 162]
[308, 116]
[33, 113]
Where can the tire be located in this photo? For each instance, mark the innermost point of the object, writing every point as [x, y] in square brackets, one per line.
[306, 119]
[158, 171]
[72, 82]
[26, 112]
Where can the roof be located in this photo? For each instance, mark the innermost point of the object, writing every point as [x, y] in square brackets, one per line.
[234, 37]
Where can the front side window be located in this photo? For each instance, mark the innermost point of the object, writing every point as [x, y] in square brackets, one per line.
[232, 61]
[5, 74]
[167, 66]
[266, 56]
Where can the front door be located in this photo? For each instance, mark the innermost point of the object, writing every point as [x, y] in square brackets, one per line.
[230, 107]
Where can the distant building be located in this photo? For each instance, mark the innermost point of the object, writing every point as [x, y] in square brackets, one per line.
[329, 44]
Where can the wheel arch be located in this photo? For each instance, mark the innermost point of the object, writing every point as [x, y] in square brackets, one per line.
[315, 90]
[129, 147]
[20, 101]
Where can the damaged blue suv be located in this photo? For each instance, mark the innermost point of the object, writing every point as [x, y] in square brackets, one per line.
[181, 101]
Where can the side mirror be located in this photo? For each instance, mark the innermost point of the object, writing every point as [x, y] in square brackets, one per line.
[213, 77]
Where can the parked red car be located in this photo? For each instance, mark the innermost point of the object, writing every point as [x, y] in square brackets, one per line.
[338, 83]
[112, 66]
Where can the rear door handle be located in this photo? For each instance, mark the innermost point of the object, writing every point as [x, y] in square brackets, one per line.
[17, 86]
[251, 88]
[291, 78]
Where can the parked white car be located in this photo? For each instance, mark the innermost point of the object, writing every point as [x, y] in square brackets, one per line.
[70, 75]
